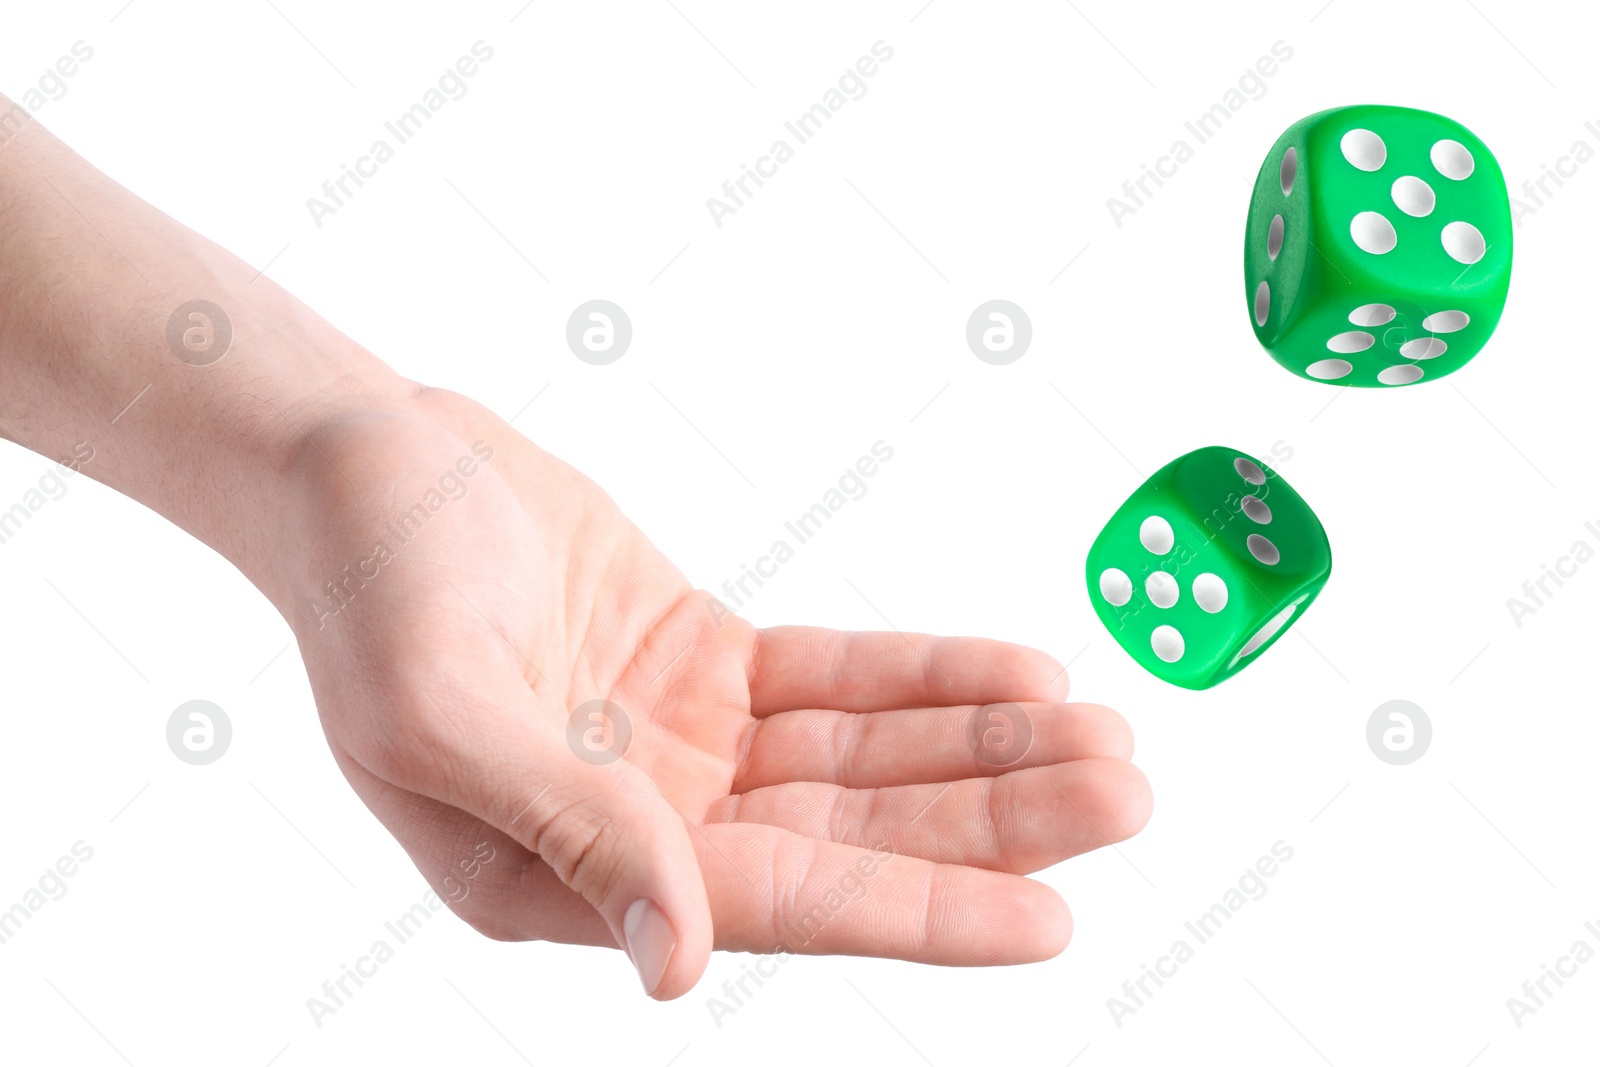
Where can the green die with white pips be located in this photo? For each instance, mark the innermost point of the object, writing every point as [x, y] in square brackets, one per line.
[1378, 247]
[1205, 566]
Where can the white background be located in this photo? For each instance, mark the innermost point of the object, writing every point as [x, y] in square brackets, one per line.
[827, 314]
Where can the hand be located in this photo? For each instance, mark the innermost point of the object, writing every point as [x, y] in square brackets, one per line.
[791, 789]
[458, 593]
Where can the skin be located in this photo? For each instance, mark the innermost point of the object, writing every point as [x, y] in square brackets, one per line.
[770, 772]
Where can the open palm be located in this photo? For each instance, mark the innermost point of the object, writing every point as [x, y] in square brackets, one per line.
[576, 745]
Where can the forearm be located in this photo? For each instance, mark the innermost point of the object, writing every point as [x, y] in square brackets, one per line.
[90, 276]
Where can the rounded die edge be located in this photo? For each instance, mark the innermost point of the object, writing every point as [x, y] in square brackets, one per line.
[1299, 602]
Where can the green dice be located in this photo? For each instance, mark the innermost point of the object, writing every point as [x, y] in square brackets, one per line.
[1378, 247]
[1205, 566]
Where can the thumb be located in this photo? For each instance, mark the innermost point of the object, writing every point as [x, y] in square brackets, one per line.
[558, 784]
[604, 827]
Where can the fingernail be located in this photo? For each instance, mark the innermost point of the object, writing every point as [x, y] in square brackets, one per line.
[651, 942]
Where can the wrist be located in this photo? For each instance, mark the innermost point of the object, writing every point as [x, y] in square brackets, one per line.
[271, 433]
[236, 392]
[355, 486]
[166, 367]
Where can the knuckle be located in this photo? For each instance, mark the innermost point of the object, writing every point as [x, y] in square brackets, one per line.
[583, 847]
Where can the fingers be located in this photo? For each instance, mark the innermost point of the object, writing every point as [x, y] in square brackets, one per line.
[1020, 822]
[491, 748]
[810, 667]
[770, 890]
[774, 891]
[887, 748]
